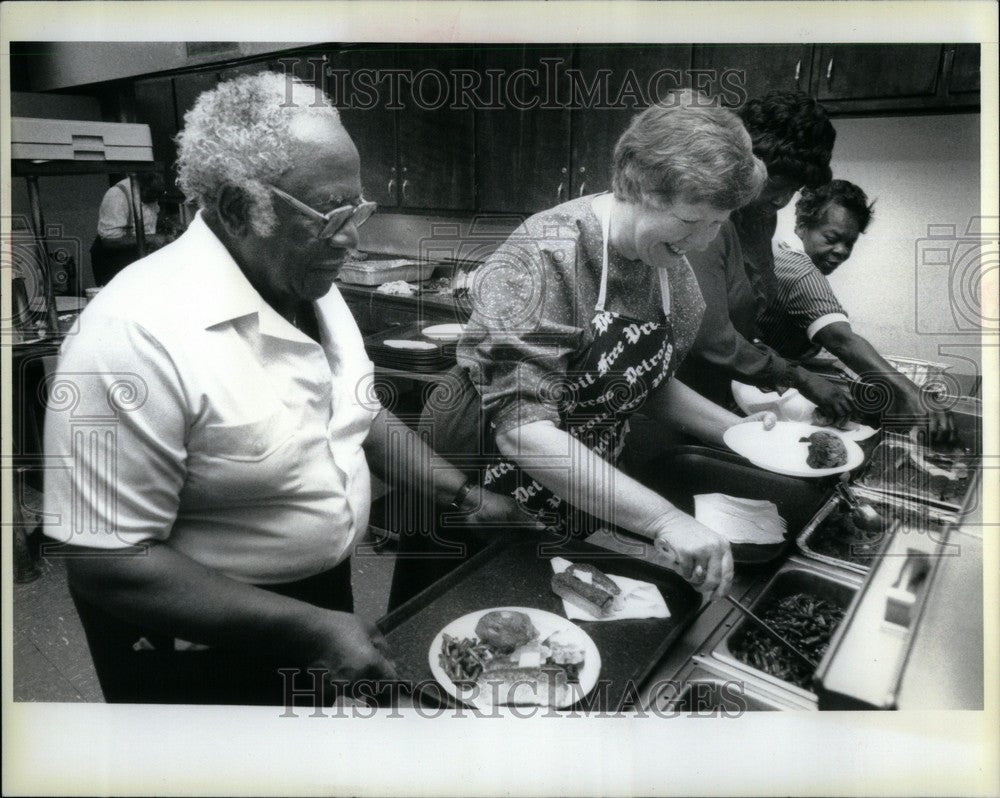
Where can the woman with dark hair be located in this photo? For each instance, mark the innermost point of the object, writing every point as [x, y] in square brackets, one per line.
[804, 314]
[792, 135]
[579, 319]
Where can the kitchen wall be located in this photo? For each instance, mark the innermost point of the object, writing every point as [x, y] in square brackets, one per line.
[907, 293]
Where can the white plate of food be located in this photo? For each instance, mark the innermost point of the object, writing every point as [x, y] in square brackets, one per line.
[793, 406]
[514, 656]
[449, 333]
[794, 448]
[400, 343]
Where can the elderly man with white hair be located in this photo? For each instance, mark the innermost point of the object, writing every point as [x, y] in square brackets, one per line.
[216, 506]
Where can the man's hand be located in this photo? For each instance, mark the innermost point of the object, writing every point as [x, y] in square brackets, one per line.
[832, 400]
[488, 508]
[939, 425]
[348, 648]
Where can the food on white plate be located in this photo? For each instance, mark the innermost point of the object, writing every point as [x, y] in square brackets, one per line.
[534, 672]
[397, 288]
[586, 587]
[533, 686]
[565, 652]
[821, 420]
[399, 343]
[505, 630]
[825, 450]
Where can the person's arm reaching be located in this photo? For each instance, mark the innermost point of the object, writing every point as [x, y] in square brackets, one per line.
[858, 354]
[393, 449]
[570, 469]
[720, 347]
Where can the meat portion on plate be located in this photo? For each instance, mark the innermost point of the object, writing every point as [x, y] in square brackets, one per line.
[826, 450]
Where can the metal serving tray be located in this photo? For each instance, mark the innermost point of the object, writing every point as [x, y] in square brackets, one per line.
[796, 576]
[519, 574]
[709, 689]
[881, 478]
[894, 512]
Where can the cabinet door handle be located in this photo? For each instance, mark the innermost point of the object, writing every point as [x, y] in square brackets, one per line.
[406, 185]
[559, 193]
[583, 188]
[798, 72]
[829, 71]
[391, 188]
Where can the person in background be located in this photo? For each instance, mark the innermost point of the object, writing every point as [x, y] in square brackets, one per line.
[116, 245]
[804, 315]
[580, 318]
[792, 135]
[211, 526]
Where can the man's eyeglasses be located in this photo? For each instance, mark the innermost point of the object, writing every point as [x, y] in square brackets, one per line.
[334, 221]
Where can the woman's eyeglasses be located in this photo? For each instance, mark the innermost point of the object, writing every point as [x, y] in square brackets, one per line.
[334, 221]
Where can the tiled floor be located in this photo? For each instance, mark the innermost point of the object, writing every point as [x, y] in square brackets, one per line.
[51, 658]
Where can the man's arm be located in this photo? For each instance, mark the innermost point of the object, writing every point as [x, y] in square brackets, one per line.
[125, 564]
[396, 452]
[168, 592]
[857, 353]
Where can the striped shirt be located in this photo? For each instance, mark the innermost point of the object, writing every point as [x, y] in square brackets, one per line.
[803, 304]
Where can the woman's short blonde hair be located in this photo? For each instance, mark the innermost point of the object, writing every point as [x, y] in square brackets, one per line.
[687, 148]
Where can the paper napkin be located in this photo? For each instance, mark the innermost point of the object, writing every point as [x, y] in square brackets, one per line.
[641, 599]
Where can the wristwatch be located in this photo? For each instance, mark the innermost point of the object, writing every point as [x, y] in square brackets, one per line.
[461, 495]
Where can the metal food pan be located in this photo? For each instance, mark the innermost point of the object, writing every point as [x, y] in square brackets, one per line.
[378, 272]
[967, 418]
[794, 577]
[707, 689]
[915, 517]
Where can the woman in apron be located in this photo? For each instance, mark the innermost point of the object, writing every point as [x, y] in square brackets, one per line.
[579, 320]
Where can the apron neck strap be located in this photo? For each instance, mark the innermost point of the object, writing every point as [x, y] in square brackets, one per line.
[605, 233]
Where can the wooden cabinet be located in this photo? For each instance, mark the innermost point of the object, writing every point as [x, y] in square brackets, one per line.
[608, 87]
[436, 135]
[523, 144]
[964, 76]
[734, 73]
[154, 105]
[351, 83]
[539, 123]
[882, 76]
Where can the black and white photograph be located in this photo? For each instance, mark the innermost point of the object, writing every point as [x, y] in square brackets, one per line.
[505, 398]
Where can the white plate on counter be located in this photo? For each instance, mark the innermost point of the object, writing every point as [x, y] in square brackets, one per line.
[447, 333]
[421, 346]
[782, 450]
[791, 406]
[545, 623]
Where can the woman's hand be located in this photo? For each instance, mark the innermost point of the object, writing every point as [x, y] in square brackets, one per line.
[766, 416]
[700, 555]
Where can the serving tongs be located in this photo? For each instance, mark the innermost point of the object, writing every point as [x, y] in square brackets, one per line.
[863, 514]
[772, 631]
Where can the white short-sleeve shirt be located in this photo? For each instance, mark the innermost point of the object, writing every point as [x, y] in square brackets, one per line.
[186, 410]
[116, 216]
